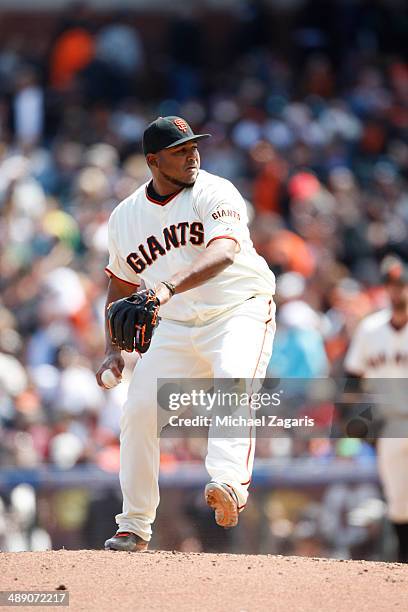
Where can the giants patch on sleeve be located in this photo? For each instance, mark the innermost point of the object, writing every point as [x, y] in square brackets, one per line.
[224, 213]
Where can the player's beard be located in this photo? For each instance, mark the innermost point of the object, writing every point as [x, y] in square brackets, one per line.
[175, 181]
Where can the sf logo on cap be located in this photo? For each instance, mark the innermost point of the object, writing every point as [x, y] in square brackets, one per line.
[182, 125]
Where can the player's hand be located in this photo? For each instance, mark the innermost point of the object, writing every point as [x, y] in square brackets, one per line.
[113, 361]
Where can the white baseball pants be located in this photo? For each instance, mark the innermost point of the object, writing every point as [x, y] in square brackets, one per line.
[237, 344]
[393, 470]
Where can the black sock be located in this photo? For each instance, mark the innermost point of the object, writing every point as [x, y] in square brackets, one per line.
[402, 535]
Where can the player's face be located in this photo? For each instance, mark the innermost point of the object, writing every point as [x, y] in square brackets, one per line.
[398, 294]
[179, 165]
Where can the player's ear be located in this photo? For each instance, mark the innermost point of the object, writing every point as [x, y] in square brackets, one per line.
[151, 159]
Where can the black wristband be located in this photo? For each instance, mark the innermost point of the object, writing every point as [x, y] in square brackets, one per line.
[170, 287]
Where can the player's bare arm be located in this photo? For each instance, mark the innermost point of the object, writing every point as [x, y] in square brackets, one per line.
[219, 255]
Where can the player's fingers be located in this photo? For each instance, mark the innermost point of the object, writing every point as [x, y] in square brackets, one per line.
[117, 370]
[98, 376]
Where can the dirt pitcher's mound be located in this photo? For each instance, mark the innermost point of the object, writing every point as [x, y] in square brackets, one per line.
[158, 580]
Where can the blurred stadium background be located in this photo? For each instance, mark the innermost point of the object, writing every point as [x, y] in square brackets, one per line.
[307, 104]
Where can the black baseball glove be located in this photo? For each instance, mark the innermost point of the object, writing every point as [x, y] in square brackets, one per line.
[132, 321]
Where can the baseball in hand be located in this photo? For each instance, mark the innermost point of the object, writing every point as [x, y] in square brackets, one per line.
[109, 379]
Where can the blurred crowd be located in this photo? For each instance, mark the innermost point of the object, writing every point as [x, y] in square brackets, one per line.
[315, 139]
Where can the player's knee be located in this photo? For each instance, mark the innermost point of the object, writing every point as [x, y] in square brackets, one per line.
[138, 412]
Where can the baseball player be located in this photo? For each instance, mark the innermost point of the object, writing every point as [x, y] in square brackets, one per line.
[183, 236]
[379, 350]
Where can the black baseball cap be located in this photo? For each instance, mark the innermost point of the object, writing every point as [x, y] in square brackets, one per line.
[167, 132]
[394, 270]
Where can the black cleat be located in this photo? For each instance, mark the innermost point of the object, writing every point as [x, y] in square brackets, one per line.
[124, 540]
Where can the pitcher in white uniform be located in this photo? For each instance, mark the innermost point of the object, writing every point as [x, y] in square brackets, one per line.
[185, 235]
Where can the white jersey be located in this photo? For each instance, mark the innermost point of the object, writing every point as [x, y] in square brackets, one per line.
[378, 350]
[151, 241]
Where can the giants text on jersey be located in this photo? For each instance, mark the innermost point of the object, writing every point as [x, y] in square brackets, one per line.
[152, 240]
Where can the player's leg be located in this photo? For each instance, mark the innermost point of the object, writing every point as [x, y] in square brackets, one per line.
[169, 357]
[392, 462]
[238, 347]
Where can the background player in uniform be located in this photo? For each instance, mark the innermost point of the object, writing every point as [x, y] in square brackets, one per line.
[379, 350]
[188, 228]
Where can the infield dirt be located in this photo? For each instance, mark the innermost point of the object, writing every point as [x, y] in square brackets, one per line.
[161, 580]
